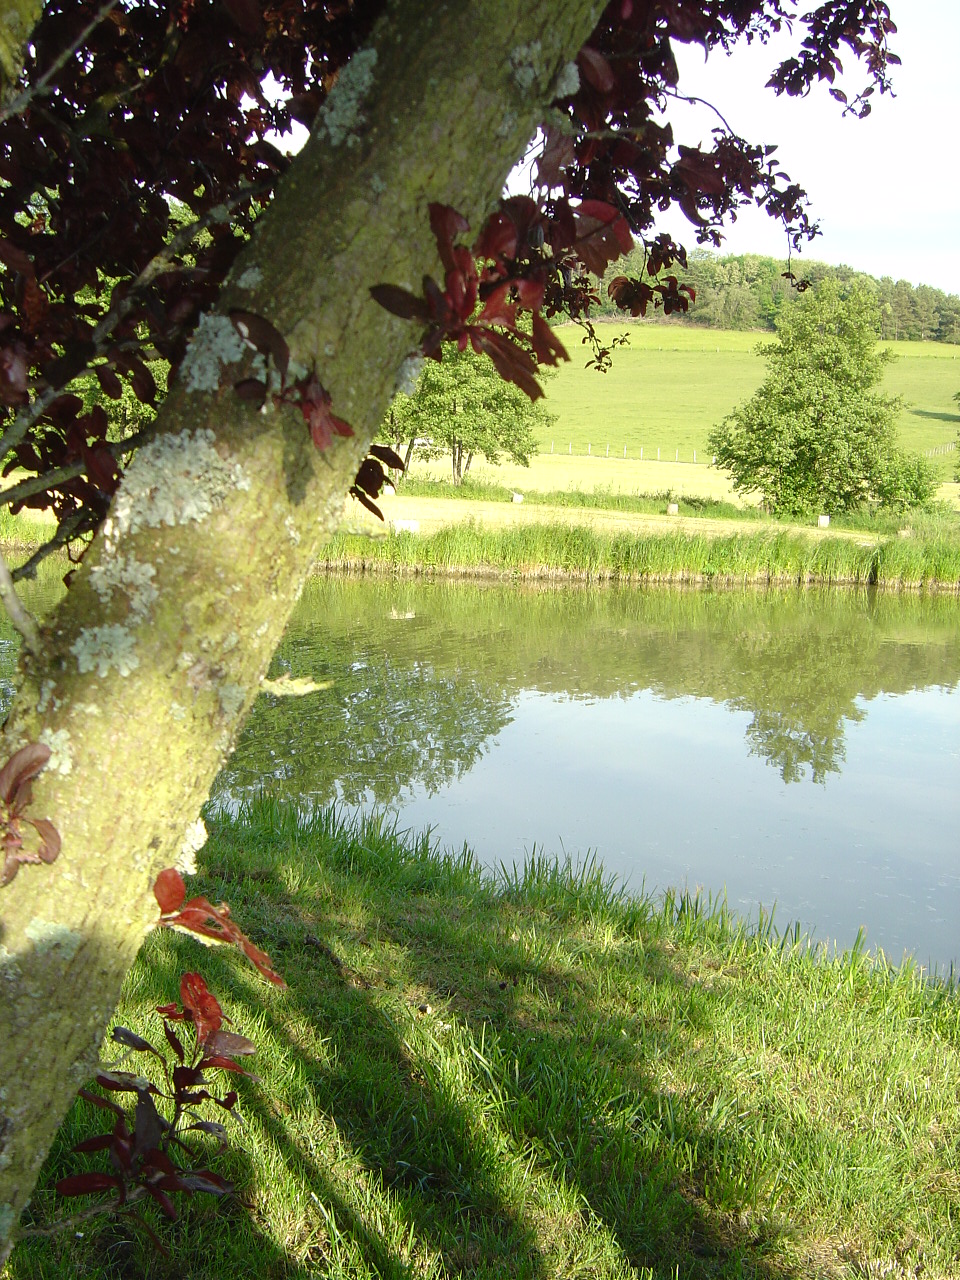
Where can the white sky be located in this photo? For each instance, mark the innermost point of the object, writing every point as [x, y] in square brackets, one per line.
[886, 190]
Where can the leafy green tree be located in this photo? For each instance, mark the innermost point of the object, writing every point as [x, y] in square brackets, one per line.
[462, 406]
[817, 435]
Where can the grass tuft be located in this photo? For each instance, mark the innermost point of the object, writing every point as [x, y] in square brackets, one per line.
[769, 556]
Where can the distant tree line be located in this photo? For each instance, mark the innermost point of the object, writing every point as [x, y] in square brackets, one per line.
[748, 291]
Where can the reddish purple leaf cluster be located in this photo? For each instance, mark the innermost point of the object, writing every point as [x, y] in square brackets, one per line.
[16, 778]
[200, 916]
[147, 1150]
[636, 296]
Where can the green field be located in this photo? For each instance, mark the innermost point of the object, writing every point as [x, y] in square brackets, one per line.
[671, 384]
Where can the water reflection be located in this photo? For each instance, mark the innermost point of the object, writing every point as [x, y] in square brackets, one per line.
[419, 676]
[798, 747]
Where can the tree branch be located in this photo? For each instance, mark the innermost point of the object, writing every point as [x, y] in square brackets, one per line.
[24, 99]
[157, 265]
[18, 615]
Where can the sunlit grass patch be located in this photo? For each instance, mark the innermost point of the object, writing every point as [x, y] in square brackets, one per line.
[541, 1075]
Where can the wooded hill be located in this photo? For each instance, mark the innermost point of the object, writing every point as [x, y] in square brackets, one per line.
[748, 291]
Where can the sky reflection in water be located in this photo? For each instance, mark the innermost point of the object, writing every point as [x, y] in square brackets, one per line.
[665, 794]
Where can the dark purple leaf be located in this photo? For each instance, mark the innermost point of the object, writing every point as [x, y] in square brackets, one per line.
[228, 1042]
[387, 455]
[86, 1184]
[173, 1040]
[362, 498]
[400, 302]
[98, 1143]
[124, 1036]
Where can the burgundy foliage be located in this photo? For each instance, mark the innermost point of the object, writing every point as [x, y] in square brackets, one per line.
[16, 778]
[135, 160]
[198, 915]
[147, 1150]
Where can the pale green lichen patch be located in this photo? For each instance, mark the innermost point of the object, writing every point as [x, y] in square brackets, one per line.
[9, 968]
[342, 115]
[47, 936]
[102, 649]
[231, 698]
[129, 575]
[46, 699]
[61, 750]
[215, 343]
[250, 278]
[526, 62]
[7, 1219]
[567, 82]
[173, 480]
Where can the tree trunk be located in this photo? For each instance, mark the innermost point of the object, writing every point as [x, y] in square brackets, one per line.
[157, 651]
[456, 456]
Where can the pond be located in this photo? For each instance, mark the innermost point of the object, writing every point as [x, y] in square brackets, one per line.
[796, 750]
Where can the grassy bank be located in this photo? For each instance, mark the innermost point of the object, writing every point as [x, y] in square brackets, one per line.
[770, 555]
[540, 1077]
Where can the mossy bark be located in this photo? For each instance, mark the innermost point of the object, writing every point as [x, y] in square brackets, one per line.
[440, 116]
[17, 20]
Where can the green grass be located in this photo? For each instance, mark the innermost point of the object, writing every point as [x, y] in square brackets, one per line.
[24, 530]
[671, 384]
[539, 1076]
[418, 485]
[770, 555]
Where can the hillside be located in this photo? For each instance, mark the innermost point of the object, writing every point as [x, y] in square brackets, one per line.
[673, 382]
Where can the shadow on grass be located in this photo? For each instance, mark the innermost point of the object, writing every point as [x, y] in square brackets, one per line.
[936, 415]
[449, 1089]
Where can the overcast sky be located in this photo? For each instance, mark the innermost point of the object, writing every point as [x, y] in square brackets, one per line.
[886, 190]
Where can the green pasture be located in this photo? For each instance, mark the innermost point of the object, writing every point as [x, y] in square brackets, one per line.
[671, 384]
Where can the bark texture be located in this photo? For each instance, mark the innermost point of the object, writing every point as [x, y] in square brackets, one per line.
[17, 20]
[158, 650]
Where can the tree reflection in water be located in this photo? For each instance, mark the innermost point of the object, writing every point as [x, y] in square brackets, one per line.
[421, 676]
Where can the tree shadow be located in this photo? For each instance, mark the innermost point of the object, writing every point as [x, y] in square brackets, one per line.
[425, 1122]
[935, 415]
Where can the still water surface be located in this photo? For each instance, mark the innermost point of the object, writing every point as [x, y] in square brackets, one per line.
[798, 749]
